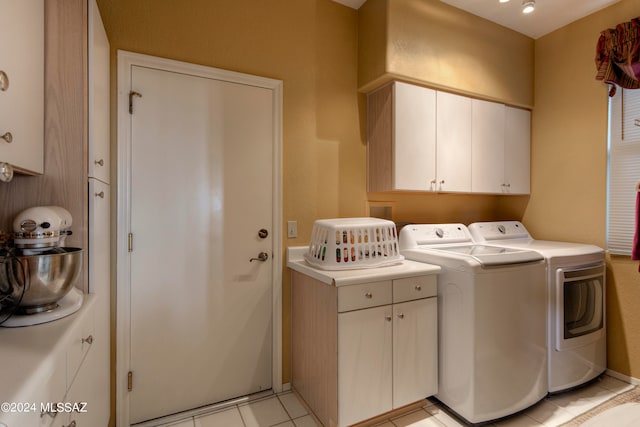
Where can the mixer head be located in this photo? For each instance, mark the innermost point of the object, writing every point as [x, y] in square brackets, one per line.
[41, 227]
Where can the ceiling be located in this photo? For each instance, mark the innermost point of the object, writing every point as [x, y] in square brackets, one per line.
[548, 16]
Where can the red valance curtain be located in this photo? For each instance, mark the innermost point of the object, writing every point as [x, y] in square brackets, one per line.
[618, 56]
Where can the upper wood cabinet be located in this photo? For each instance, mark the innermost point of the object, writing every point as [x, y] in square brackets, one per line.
[22, 85]
[421, 139]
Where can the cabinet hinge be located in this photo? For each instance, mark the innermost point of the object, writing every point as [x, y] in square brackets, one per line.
[130, 381]
[131, 95]
[130, 243]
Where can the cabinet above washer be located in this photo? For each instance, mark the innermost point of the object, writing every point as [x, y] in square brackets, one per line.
[420, 139]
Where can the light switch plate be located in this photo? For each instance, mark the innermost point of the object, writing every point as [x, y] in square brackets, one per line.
[292, 229]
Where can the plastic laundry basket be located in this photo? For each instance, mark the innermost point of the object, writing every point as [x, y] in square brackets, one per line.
[350, 243]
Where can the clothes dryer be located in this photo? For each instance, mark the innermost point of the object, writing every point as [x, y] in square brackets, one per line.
[576, 320]
[491, 321]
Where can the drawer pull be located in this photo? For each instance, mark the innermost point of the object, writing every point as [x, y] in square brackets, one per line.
[400, 316]
[8, 137]
[418, 288]
[100, 194]
[88, 340]
[388, 318]
[99, 162]
[368, 295]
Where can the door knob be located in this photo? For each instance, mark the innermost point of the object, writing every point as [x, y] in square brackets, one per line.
[262, 256]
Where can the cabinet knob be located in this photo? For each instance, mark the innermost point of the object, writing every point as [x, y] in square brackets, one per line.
[99, 162]
[88, 340]
[418, 288]
[6, 172]
[442, 182]
[400, 316]
[368, 295]
[4, 81]
[100, 194]
[7, 137]
[388, 318]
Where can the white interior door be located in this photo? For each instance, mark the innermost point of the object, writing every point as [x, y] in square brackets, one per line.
[201, 188]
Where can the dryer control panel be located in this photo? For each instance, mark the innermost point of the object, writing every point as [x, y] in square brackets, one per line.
[485, 232]
[416, 235]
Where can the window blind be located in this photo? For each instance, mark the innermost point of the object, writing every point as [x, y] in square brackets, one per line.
[623, 169]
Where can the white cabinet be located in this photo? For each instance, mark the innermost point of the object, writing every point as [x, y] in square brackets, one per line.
[500, 148]
[517, 151]
[418, 139]
[98, 96]
[415, 335]
[22, 100]
[421, 139]
[365, 387]
[453, 143]
[414, 139]
[387, 355]
[384, 336]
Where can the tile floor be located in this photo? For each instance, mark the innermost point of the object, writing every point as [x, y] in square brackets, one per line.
[286, 410]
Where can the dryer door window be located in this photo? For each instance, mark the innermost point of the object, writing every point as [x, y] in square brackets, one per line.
[580, 306]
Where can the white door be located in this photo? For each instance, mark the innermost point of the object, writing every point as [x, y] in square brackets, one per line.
[414, 147]
[201, 190]
[487, 146]
[453, 130]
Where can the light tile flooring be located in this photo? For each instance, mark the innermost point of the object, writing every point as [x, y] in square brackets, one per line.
[286, 410]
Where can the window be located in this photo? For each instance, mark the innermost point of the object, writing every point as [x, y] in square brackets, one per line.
[623, 169]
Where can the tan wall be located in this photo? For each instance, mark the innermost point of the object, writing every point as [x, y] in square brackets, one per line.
[569, 165]
[311, 45]
[432, 43]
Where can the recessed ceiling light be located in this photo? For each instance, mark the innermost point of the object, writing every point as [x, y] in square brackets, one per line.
[504, 1]
[528, 6]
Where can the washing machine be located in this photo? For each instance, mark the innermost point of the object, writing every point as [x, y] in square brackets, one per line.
[491, 321]
[576, 320]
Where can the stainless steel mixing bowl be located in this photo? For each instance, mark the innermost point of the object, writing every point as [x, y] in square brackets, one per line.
[50, 276]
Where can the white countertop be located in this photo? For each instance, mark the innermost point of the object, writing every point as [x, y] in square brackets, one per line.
[296, 261]
[26, 353]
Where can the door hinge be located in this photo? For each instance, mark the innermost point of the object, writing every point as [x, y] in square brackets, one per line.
[130, 237]
[130, 381]
[131, 95]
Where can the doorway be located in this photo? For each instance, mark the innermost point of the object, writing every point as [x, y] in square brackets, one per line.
[199, 246]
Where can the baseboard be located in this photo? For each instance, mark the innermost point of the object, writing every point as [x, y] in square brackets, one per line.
[622, 377]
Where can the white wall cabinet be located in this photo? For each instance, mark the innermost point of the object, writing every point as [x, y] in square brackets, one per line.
[421, 139]
[385, 339]
[22, 98]
[98, 97]
[501, 145]
[453, 143]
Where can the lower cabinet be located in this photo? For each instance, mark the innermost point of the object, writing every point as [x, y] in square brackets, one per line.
[384, 337]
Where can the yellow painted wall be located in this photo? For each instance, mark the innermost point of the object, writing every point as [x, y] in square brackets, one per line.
[569, 165]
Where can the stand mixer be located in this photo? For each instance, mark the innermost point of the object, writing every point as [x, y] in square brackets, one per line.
[37, 273]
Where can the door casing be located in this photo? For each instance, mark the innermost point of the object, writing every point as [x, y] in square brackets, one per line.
[125, 61]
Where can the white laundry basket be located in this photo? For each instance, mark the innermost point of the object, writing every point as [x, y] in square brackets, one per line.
[350, 243]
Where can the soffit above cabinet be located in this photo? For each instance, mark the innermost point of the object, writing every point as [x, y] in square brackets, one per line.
[548, 16]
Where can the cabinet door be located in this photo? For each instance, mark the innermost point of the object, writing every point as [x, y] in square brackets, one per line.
[414, 137]
[517, 145]
[364, 364]
[22, 103]
[98, 96]
[487, 146]
[453, 137]
[99, 235]
[415, 351]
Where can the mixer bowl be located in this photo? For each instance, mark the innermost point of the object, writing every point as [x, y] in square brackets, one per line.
[50, 276]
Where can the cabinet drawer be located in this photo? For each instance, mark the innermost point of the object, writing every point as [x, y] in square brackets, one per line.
[82, 337]
[412, 288]
[365, 295]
